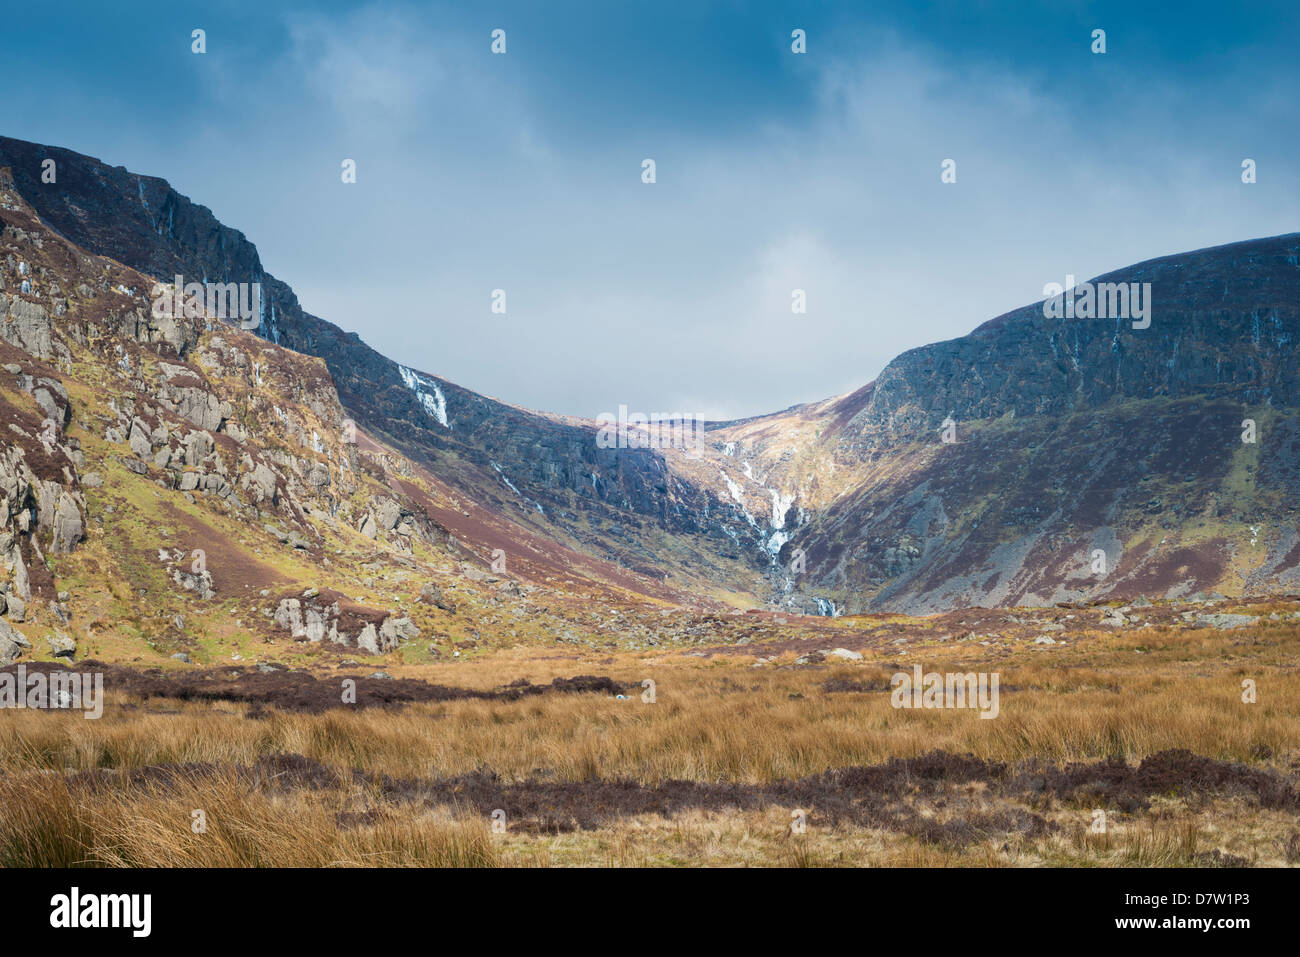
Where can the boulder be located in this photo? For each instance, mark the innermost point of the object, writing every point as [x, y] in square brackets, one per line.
[1223, 621]
[61, 646]
[318, 476]
[388, 514]
[396, 629]
[1113, 618]
[289, 617]
[68, 530]
[368, 639]
[12, 643]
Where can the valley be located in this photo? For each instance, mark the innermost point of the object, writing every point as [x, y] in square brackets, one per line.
[351, 610]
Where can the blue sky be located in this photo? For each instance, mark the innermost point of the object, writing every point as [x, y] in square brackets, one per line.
[775, 171]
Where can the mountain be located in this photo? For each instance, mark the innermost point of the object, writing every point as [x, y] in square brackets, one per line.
[173, 485]
[1071, 437]
[1090, 459]
[483, 446]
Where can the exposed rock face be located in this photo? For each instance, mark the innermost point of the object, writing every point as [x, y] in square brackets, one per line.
[37, 515]
[202, 408]
[329, 617]
[67, 527]
[26, 325]
[1224, 621]
[1224, 321]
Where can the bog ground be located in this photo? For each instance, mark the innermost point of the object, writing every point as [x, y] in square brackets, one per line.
[1139, 722]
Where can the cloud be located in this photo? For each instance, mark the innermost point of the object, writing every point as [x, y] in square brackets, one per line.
[776, 172]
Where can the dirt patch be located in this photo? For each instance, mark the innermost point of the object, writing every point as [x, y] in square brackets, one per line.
[1175, 773]
[302, 692]
[889, 796]
[235, 572]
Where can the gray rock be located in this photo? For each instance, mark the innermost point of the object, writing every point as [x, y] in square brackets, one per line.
[368, 639]
[431, 594]
[68, 529]
[398, 629]
[321, 623]
[477, 574]
[140, 439]
[318, 475]
[289, 616]
[196, 405]
[27, 326]
[197, 447]
[1223, 621]
[50, 406]
[1112, 618]
[12, 643]
[182, 656]
[388, 514]
[61, 646]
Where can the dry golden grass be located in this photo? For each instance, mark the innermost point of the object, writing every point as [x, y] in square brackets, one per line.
[714, 721]
[48, 822]
[721, 721]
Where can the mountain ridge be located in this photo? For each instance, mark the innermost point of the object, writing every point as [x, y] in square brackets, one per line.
[810, 478]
